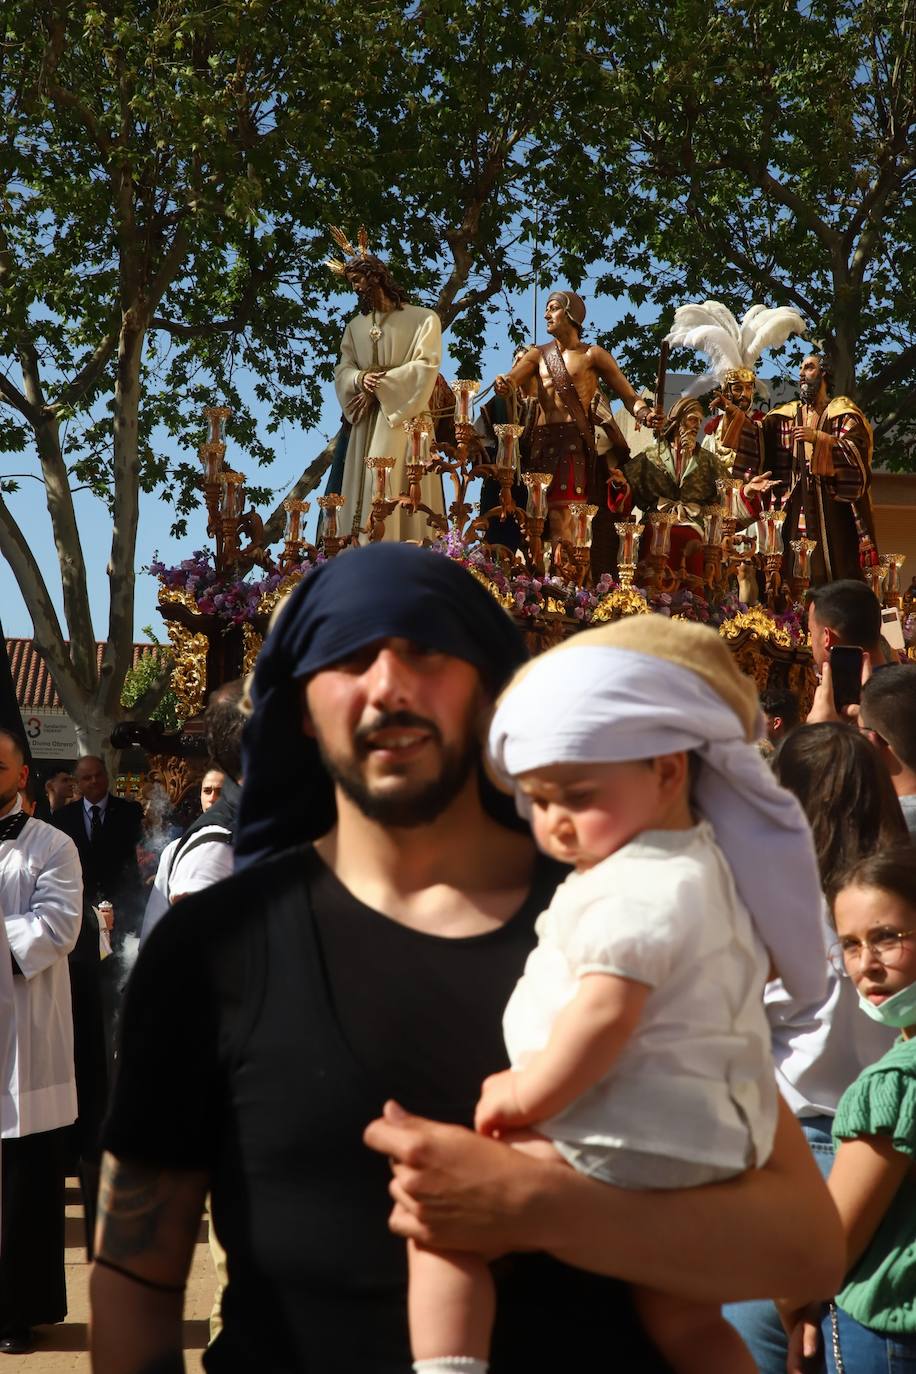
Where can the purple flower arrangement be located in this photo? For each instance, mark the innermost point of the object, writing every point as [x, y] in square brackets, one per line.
[234, 601]
[239, 600]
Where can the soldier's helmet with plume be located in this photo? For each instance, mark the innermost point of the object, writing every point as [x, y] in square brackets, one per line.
[732, 348]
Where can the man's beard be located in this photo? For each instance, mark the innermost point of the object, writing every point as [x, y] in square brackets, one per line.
[6, 798]
[809, 391]
[368, 298]
[427, 800]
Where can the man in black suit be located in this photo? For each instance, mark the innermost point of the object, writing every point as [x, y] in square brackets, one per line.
[106, 831]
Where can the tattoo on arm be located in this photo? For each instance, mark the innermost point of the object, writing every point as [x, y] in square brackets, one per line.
[149, 1218]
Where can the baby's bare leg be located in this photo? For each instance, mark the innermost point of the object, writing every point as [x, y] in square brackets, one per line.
[693, 1337]
[451, 1305]
[452, 1299]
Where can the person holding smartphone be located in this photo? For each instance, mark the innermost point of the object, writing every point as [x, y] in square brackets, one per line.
[844, 628]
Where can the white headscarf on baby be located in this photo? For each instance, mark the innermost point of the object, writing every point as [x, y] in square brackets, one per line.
[647, 686]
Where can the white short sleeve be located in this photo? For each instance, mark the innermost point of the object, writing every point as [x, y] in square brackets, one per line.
[632, 940]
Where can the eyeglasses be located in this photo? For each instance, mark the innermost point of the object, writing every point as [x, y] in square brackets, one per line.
[885, 945]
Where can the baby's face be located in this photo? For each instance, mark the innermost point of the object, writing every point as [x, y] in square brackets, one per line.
[583, 813]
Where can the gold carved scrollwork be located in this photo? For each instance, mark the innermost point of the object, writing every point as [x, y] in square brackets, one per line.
[178, 775]
[252, 642]
[623, 601]
[759, 623]
[269, 602]
[189, 675]
[504, 598]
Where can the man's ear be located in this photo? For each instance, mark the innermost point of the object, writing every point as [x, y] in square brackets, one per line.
[305, 717]
[776, 722]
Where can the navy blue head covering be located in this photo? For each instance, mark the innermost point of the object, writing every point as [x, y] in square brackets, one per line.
[377, 592]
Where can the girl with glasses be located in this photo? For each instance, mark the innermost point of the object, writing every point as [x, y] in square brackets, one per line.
[870, 1327]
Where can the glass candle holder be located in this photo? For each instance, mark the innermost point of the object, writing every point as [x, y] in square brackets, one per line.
[216, 417]
[803, 548]
[464, 390]
[381, 467]
[893, 562]
[419, 433]
[330, 504]
[729, 489]
[773, 521]
[211, 456]
[507, 452]
[582, 516]
[629, 533]
[232, 497]
[295, 509]
[660, 523]
[538, 484]
[712, 518]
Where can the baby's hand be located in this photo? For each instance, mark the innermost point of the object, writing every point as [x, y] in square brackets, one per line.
[499, 1108]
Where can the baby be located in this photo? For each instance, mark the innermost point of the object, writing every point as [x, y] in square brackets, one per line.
[639, 1046]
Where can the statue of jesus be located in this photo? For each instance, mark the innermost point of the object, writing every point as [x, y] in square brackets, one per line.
[389, 360]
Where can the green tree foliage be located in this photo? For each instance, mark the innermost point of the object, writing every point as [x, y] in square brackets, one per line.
[168, 170]
[150, 676]
[771, 156]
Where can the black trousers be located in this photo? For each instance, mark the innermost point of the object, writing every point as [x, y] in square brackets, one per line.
[33, 1288]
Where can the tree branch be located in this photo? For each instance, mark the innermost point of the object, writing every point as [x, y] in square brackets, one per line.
[892, 372]
[275, 524]
[48, 639]
[88, 374]
[14, 397]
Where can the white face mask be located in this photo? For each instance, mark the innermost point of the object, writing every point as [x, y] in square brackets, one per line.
[898, 1011]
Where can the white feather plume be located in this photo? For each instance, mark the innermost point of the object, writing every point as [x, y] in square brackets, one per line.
[768, 329]
[711, 328]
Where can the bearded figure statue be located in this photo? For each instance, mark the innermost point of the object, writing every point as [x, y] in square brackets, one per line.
[819, 451]
[389, 362]
[675, 474]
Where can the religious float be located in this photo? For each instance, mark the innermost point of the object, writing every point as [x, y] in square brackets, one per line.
[217, 605]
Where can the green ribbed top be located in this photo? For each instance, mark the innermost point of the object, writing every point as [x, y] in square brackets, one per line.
[880, 1292]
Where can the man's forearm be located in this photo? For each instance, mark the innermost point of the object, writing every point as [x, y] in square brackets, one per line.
[147, 1228]
[771, 1232]
[135, 1330]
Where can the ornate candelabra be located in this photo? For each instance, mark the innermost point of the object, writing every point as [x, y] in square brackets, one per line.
[212, 456]
[331, 539]
[660, 525]
[382, 503]
[293, 544]
[629, 533]
[892, 562]
[773, 521]
[537, 484]
[582, 516]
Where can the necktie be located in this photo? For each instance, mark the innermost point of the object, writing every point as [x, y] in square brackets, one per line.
[12, 826]
[95, 824]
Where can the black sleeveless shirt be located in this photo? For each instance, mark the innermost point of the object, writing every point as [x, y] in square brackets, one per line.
[266, 1022]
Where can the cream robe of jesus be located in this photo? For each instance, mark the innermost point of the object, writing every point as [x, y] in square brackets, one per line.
[410, 349]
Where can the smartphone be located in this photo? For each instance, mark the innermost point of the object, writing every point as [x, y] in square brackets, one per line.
[846, 671]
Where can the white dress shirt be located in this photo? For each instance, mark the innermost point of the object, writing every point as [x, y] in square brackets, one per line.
[820, 1049]
[87, 813]
[41, 900]
[198, 866]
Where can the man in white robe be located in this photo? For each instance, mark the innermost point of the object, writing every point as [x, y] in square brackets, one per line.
[41, 895]
[389, 360]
